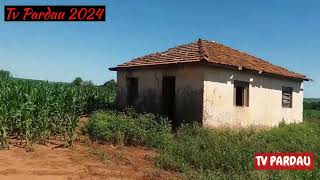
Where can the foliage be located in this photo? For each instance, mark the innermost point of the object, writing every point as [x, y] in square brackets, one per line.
[311, 110]
[36, 110]
[311, 115]
[129, 128]
[5, 75]
[77, 81]
[112, 83]
[87, 83]
[311, 103]
[311, 100]
[201, 153]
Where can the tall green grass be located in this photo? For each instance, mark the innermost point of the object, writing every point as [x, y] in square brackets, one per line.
[129, 128]
[204, 153]
[200, 153]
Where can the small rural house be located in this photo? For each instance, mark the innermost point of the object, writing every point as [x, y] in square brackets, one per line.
[211, 84]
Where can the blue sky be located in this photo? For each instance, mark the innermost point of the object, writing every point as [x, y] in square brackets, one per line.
[286, 33]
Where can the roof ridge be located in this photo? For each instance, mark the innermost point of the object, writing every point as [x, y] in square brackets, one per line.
[203, 53]
[254, 57]
[210, 52]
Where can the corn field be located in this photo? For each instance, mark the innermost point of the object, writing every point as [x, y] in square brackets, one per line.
[35, 111]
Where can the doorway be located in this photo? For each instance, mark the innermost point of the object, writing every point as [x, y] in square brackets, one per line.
[168, 98]
[132, 91]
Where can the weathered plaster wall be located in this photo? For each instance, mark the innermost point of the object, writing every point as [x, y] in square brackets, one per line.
[206, 95]
[189, 90]
[265, 100]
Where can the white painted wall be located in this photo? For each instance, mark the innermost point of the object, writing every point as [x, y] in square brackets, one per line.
[207, 94]
[265, 100]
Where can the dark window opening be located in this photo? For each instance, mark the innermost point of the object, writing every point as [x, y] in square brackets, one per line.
[132, 87]
[239, 96]
[287, 97]
[241, 93]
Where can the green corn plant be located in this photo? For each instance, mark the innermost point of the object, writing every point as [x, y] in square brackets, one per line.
[3, 132]
[35, 111]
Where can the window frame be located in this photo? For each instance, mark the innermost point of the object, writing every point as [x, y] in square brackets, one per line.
[289, 91]
[244, 87]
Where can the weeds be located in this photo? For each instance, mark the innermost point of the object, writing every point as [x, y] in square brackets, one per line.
[129, 128]
[201, 153]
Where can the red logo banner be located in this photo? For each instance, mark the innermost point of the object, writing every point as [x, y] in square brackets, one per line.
[284, 161]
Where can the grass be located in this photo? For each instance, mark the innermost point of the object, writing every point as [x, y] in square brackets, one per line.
[200, 153]
[227, 154]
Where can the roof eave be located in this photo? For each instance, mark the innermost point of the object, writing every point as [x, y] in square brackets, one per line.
[212, 64]
[118, 68]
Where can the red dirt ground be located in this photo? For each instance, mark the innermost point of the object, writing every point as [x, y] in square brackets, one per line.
[83, 161]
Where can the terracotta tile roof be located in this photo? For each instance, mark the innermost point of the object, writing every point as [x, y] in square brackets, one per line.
[211, 53]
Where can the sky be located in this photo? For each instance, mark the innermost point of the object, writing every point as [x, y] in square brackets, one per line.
[285, 33]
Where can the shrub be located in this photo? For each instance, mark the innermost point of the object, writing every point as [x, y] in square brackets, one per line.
[131, 128]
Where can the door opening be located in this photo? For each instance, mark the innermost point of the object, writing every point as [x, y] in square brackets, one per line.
[168, 98]
[132, 91]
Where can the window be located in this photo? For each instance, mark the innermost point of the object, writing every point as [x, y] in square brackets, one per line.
[132, 90]
[287, 97]
[241, 91]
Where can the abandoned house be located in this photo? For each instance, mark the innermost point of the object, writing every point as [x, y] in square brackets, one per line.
[211, 84]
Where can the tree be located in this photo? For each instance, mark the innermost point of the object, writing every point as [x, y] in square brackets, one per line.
[112, 83]
[5, 74]
[87, 83]
[77, 81]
